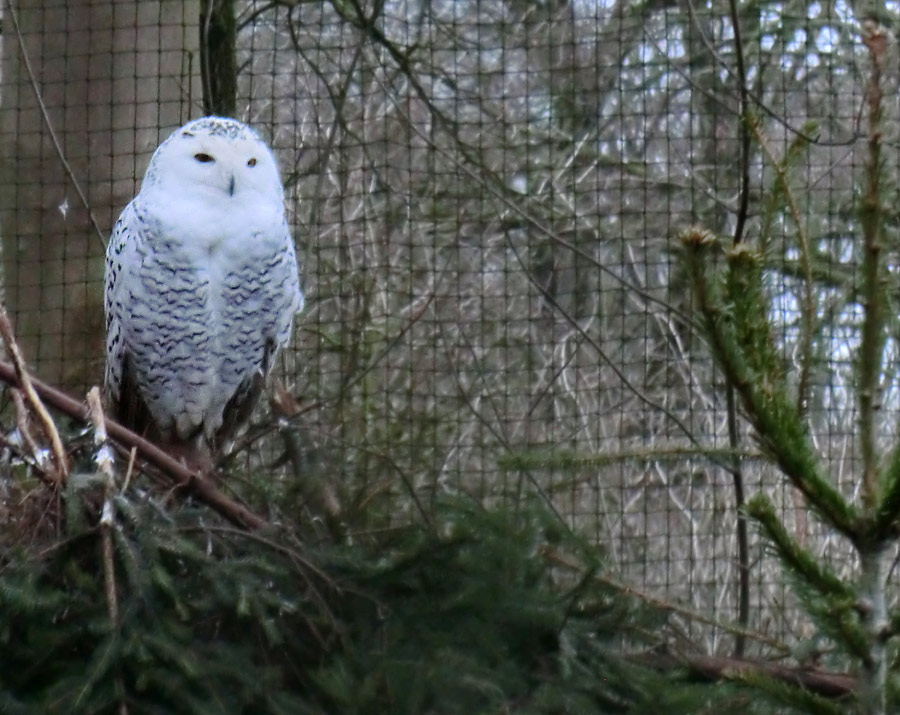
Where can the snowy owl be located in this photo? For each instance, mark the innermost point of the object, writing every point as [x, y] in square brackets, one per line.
[201, 288]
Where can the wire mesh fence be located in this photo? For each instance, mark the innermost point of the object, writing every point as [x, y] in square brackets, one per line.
[486, 198]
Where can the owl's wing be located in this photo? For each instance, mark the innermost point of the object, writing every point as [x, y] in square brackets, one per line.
[123, 256]
[130, 408]
[262, 315]
[239, 408]
[287, 298]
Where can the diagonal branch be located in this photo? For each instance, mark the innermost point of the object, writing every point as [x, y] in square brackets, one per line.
[717, 668]
[24, 381]
[178, 474]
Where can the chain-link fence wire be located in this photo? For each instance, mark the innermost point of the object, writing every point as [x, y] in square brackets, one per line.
[486, 199]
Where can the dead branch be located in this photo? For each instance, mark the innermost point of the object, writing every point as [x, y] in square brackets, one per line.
[32, 450]
[201, 486]
[23, 380]
[105, 463]
[710, 667]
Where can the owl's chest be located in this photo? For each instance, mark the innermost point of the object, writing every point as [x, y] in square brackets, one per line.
[200, 229]
[212, 288]
[213, 242]
[216, 269]
[210, 255]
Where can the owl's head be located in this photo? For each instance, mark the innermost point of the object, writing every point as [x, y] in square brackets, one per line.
[214, 158]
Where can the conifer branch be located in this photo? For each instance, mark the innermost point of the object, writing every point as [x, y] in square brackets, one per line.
[885, 522]
[736, 326]
[840, 599]
[814, 572]
[670, 607]
[808, 308]
[797, 693]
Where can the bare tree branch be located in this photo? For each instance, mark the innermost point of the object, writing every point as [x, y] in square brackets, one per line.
[178, 474]
[24, 381]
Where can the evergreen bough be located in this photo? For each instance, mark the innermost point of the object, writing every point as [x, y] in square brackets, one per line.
[480, 611]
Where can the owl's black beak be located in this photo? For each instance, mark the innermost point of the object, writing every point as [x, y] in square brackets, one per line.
[231, 186]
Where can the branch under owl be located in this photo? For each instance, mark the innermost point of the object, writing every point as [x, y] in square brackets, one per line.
[178, 474]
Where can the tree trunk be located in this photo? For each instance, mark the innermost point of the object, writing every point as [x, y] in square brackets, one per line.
[218, 61]
[111, 76]
[875, 564]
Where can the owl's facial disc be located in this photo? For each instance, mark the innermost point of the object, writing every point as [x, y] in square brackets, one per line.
[214, 171]
[209, 164]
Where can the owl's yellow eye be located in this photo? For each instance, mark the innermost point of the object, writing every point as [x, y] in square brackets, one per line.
[203, 158]
[252, 162]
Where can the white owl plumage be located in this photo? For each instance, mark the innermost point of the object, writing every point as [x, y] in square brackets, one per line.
[201, 285]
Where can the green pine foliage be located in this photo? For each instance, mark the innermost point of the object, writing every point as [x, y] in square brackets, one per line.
[827, 599]
[200, 626]
[477, 611]
[782, 697]
[732, 304]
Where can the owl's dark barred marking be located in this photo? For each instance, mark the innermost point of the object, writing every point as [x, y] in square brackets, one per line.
[201, 286]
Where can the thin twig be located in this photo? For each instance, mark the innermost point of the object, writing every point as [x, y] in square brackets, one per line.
[38, 454]
[756, 97]
[567, 561]
[552, 301]
[25, 382]
[496, 186]
[741, 77]
[354, 378]
[743, 539]
[104, 459]
[45, 115]
[132, 455]
[559, 458]
[737, 469]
